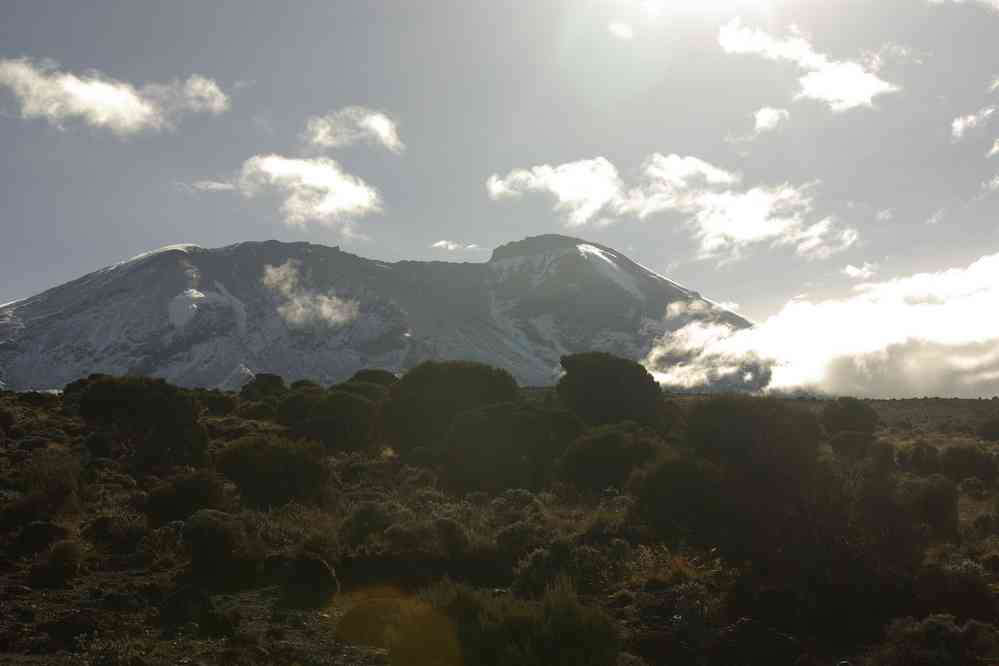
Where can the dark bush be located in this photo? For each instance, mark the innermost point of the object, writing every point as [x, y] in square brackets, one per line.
[587, 567]
[851, 444]
[507, 445]
[263, 386]
[849, 414]
[459, 625]
[60, 566]
[932, 501]
[368, 519]
[257, 411]
[50, 482]
[682, 497]
[119, 532]
[375, 376]
[960, 462]
[989, 431]
[936, 641]
[271, 471]
[216, 403]
[959, 587]
[7, 419]
[305, 384]
[602, 388]
[340, 421]
[155, 420]
[607, 455]
[376, 393]
[920, 458]
[423, 404]
[221, 546]
[179, 497]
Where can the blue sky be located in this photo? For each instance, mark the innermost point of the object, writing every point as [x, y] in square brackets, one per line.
[756, 150]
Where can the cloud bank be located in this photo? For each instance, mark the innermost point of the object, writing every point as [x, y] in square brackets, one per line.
[924, 334]
[724, 217]
[99, 101]
[314, 189]
[841, 84]
[352, 125]
[301, 307]
[960, 125]
[454, 246]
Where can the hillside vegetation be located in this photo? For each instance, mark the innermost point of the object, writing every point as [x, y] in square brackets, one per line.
[450, 518]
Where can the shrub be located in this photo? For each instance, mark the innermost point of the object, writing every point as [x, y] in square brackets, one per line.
[588, 568]
[936, 641]
[220, 545]
[456, 624]
[257, 411]
[298, 404]
[263, 386]
[216, 403]
[601, 388]
[181, 496]
[423, 404]
[61, 566]
[376, 393]
[849, 414]
[340, 421]
[50, 481]
[960, 462]
[960, 588]
[120, 532]
[932, 501]
[271, 471]
[368, 519]
[375, 376]
[507, 445]
[156, 420]
[920, 458]
[851, 443]
[7, 419]
[989, 431]
[606, 456]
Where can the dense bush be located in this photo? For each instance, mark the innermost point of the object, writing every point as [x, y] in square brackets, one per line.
[457, 625]
[507, 445]
[263, 386]
[920, 458]
[376, 393]
[375, 376]
[216, 403]
[989, 431]
[588, 568]
[425, 401]
[340, 421]
[602, 388]
[257, 411]
[61, 565]
[607, 455]
[220, 545]
[157, 421]
[7, 419]
[849, 414]
[271, 471]
[936, 641]
[179, 497]
[851, 444]
[932, 501]
[960, 462]
[50, 483]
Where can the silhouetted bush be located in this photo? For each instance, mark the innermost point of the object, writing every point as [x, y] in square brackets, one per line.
[849, 414]
[216, 403]
[933, 502]
[157, 421]
[271, 471]
[682, 497]
[424, 402]
[959, 462]
[602, 388]
[936, 641]
[263, 386]
[7, 420]
[587, 567]
[459, 625]
[257, 411]
[376, 393]
[60, 566]
[607, 455]
[368, 519]
[920, 458]
[179, 497]
[959, 587]
[989, 431]
[375, 376]
[507, 445]
[340, 421]
[298, 404]
[220, 546]
[50, 482]
[851, 444]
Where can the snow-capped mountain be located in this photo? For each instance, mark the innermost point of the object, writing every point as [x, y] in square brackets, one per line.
[213, 317]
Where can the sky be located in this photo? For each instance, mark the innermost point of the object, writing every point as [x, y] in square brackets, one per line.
[806, 162]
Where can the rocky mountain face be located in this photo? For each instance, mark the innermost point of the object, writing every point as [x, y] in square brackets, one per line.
[213, 317]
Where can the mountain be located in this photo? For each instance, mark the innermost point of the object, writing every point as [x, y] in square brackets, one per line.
[213, 317]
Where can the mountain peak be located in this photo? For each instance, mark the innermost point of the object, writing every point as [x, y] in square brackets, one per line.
[536, 245]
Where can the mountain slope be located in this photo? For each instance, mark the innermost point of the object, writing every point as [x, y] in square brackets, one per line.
[200, 317]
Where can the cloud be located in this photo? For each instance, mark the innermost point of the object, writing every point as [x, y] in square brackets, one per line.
[45, 92]
[937, 217]
[301, 307]
[314, 190]
[725, 218]
[208, 186]
[924, 334]
[864, 272]
[843, 85]
[453, 246]
[990, 4]
[621, 30]
[991, 185]
[351, 125]
[960, 126]
[885, 215]
[768, 118]
[995, 149]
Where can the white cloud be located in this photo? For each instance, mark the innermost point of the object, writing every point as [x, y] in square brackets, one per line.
[864, 272]
[960, 126]
[925, 334]
[843, 85]
[991, 4]
[768, 118]
[315, 189]
[621, 30]
[301, 307]
[99, 101]
[210, 186]
[351, 125]
[995, 149]
[725, 218]
[453, 246]
[937, 217]
[992, 185]
[885, 214]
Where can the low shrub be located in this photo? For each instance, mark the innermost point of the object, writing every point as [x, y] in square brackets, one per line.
[932, 501]
[937, 640]
[849, 414]
[962, 461]
[263, 386]
[920, 458]
[375, 376]
[588, 568]
[179, 497]
[851, 444]
[601, 389]
[989, 431]
[257, 411]
[374, 392]
[606, 456]
[271, 471]
[62, 565]
[340, 421]
[220, 545]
